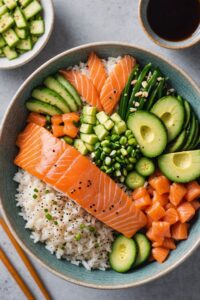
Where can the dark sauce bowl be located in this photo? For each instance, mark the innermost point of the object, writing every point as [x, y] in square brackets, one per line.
[191, 40]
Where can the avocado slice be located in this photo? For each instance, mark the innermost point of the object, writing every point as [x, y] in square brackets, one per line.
[149, 132]
[180, 166]
[188, 113]
[178, 142]
[42, 107]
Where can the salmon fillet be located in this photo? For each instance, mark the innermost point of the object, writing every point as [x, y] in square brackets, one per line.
[115, 83]
[63, 167]
[97, 70]
[84, 86]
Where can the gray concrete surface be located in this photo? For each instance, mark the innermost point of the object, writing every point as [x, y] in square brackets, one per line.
[79, 22]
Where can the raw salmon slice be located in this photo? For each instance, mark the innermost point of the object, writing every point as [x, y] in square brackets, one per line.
[37, 119]
[97, 70]
[185, 211]
[84, 86]
[56, 163]
[193, 191]
[177, 193]
[115, 83]
[160, 254]
[171, 216]
[179, 231]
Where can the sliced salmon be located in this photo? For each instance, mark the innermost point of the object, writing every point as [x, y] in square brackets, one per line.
[149, 222]
[179, 231]
[84, 86]
[171, 216]
[139, 192]
[156, 211]
[167, 243]
[154, 238]
[177, 193]
[143, 202]
[161, 184]
[115, 83]
[56, 163]
[193, 191]
[195, 204]
[160, 254]
[37, 119]
[162, 199]
[97, 70]
[161, 229]
[185, 211]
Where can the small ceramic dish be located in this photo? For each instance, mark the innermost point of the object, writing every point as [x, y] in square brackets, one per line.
[142, 13]
[48, 15]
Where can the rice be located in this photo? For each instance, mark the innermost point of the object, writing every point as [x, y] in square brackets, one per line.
[66, 229]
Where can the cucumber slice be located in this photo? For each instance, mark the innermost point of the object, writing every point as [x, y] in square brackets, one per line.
[88, 119]
[123, 254]
[6, 21]
[171, 112]
[102, 117]
[24, 2]
[19, 18]
[134, 180]
[145, 166]
[53, 84]
[37, 27]
[101, 132]
[3, 10]
[2, 42]
[143, 247]
[89, 138]
[109, 124]
[10, 37]
[25, 44]
[10, 3]
[42, 107]
[32, 9]
[190, 137]
[86, 128]
[80, 146]
[89, 110]
[188, 113]
[178, 142]
[70, 89]
[149, 132]
[10, 53]
[21, 33]
[49, 96]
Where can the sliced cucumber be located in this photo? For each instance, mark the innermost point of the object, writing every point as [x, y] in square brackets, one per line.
[32, 9]
[178, 142]
[70, 89]
[53, 84]
[24, 2]
[2, 42]
[86, 128]
[171, 111]
[88, 119]
[187, 113]
[134, 180]
[3, 10]
[143, 247]
[123, 254]
[80, 146]
[101, 132]
[190, 137]
[37, 27]
[25, 44]
[145, 166]
[19, 18]
[149, 132]
[10, 3]
[21, 33]
[42, 107]
[89, 138]
[10, 53]
[102, 117]
[49, 96]
[10, 37]
[6, 21]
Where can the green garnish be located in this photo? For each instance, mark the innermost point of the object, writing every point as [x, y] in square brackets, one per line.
[77, 237]
[82, 226]
[36, 190]
[91, 228]
[47, 191]
[48, 217]
[55, 223]
[46, 210]
[34, 196]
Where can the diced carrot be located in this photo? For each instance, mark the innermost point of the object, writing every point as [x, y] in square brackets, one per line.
[177, 193]
[58, 130]
[143, 202]
[162, 199]
[156, 211]
[160, 254]
[171, 216]
[169, 243]
[70, 129]
[161, 229]
[161, 184]
[185, 211]
[179, 231]
[56, 120]
[152, 237]
[37, 119]
[195, 204]
[149, 222]
[72, 116]
[193, 191]
[139, 192]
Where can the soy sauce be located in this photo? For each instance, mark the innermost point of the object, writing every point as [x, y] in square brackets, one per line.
[174, 20]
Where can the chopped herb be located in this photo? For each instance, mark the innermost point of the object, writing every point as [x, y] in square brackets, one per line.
[63, 248]
[82, 226]
[48, 217]
[34, 196]
[55, 202]
[91, 228]
[97, 245]
[55, 222]
[77, 237]
[36, 190]
[47, 191]
[46, 210]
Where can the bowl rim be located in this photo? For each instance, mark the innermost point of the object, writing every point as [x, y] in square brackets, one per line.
[21, 243]
[176, 46]
[35, 53]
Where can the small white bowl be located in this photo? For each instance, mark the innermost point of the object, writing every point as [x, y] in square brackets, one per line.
[48, 15]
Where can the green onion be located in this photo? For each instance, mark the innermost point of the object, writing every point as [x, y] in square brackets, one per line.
[55, 223]
[108, 160]
[113, 152]
[97, 145]
[117, 166]
[123, 140]
[132, 141]
[129, 167]
[110, 170]
[105, 143]
[118, 173]
[47, 191]
[82, 226]
[93, 155]
[77, 237]
[124, 152]
[106, 150]
[34, 196]
[103, 155]
[103, 168]
[36, 190]
[48, 217]
[132, 159]
[124, 172]
[122, 179]
[115, 137]
[97, 154]
[46, 210]
[91, 228]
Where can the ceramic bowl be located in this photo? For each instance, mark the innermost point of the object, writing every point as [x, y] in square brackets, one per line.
[48, 15]
[142, 13]
[14, 122]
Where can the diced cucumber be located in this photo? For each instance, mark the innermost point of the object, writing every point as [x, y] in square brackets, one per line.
[143, 247]
[80, 146]
[145, 166]
[10, 53]
[90, 147]
[37, 27]
[86, 128]
[6, 21]
[24, 2]
[3, 10]
[21, 33]
[89, 110]
[134, 180]
[32, 9]
[70, 89]
[10, 3]
[53, 84]
[109, 124]
[51, 97]
[2, 42]
[123, 254]
[102, 117]
[116, 118]
[120, 127]
[34, 38]
[1, 3]
[25, 44]
[10, 37]
[42, 107]
[101, 132]
[89, 138]
[88, 119]
[19, 18]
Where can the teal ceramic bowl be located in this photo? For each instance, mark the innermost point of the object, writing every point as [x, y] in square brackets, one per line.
[14, 122]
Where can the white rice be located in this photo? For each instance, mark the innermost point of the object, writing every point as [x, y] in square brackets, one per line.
[58, 222]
